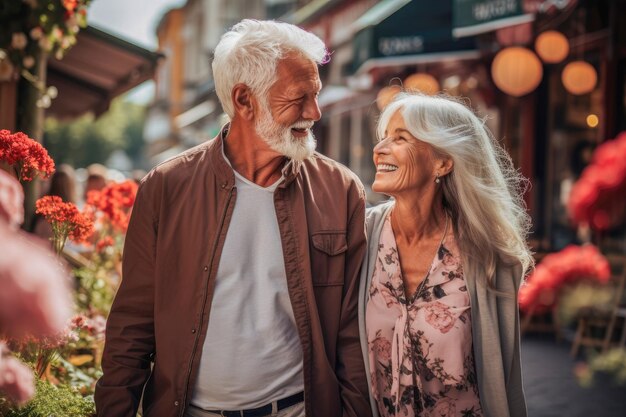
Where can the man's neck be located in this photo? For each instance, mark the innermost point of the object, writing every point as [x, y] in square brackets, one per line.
[251, 157]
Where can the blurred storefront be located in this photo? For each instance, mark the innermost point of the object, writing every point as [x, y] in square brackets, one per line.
[455, 46]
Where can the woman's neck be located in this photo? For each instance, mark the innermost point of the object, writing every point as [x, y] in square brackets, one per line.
[418, 219]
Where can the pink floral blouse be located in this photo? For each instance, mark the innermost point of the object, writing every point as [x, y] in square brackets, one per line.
[420, 349]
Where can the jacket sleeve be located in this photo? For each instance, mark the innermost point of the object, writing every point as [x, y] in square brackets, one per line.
[129, 343]
[350, 368]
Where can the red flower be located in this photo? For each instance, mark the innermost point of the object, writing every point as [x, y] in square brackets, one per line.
[592, 200]
[557, 269]
[104, 243]
[115, 201]
[70, 5]
[65, 219]
[33, 159]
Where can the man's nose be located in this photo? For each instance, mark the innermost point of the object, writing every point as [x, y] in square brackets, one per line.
[312, 110]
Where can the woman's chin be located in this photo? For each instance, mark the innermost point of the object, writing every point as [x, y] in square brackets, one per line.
[379, 187]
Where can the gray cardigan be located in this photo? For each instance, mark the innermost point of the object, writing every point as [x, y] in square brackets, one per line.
[495, 329]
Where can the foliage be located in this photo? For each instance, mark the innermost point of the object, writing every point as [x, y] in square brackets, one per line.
[611, 363]
[88, 140]
[33, 25]
[52, 400]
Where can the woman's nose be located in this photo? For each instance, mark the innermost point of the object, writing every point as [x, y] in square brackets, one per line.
[381, 146]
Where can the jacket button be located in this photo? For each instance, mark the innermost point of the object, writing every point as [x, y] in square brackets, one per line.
[223, 185]
[193, 330]
[176, 403]
[206, 268]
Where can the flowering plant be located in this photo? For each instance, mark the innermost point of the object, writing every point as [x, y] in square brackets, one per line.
[33, 25]
[111, 207]
[66, 221]
[592, 200]
[573, 263]
[31, 158]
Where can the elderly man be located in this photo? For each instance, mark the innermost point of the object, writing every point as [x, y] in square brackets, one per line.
[242, 255]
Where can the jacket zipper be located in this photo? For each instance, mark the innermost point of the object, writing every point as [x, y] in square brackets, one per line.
[206, 293]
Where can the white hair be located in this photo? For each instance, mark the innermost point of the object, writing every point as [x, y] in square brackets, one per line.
[482, 193]
[249, 53]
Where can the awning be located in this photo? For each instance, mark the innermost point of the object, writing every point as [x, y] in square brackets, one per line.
[310, 11]
[472, 17]
[94, 71]
[405, 28]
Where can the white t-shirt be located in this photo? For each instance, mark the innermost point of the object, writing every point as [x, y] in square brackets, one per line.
[252, 353]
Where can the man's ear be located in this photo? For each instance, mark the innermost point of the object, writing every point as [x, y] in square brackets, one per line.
[243, 101]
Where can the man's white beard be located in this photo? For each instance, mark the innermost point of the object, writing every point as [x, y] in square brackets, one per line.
[281, 140]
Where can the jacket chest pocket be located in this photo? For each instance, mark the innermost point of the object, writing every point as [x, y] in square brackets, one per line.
[328, 257]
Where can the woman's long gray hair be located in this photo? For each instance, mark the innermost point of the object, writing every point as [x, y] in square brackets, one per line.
[483, 193]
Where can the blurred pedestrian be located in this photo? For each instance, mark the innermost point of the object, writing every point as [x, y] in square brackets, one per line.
[438, 296]
[97, 179]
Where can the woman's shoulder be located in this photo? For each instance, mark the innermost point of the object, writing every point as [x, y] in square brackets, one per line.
[375, 215]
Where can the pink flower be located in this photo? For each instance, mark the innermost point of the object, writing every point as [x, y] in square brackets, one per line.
[381, 348]
[445, 407]
[36, 297]
[11, 200]
[16, 379]
[439, 316]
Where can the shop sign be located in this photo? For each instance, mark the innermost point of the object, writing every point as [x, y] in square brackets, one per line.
[401, 45]
[476, 12]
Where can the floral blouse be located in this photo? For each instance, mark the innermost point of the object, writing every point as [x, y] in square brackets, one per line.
[420, 349]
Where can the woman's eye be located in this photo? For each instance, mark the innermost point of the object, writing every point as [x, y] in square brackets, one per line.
[401, 139]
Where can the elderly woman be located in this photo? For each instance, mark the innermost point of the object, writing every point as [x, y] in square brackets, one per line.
[438, 293]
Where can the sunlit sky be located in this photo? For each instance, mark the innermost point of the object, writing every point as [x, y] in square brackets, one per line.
[135, 21]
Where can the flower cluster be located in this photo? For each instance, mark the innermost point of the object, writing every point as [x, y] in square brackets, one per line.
[19, 150]
[592, 200]
[114, 202]
[33, 25]
[573, 263]
[65, 219]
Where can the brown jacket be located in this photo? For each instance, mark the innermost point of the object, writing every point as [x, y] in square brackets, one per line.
[171, 255]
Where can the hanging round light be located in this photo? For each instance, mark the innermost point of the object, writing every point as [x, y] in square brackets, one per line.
[422, 82]
[552, 46]
[386, 95]
[516, 70]
[579, 77]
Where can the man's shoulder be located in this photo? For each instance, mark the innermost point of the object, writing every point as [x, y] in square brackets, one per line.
[181, 166]
[324, 167]
[185, 159]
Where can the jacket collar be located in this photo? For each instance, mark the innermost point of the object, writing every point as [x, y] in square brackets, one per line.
[224, 172]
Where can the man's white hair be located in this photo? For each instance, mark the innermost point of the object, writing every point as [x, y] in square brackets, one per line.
[483, 193]
[249, 53]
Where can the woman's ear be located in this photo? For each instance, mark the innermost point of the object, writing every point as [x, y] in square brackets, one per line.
[446, 164]
[243, 101]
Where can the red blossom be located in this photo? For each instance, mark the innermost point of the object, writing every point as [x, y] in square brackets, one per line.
[65, 218]
[115, 201]
[33, 159]
[104, 243]
[592, 200]
[70, 5]
[557, 269]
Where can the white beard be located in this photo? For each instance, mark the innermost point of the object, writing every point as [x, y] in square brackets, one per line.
[280, 139]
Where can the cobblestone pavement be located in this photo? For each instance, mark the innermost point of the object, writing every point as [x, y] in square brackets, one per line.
[551, 387]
